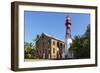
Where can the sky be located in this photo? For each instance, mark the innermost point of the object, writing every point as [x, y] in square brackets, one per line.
[53, 23]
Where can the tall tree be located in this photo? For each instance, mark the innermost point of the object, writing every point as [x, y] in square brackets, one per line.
[30, 50]
[81, 45]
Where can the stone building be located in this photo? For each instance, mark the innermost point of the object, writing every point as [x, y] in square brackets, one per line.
[49, 47]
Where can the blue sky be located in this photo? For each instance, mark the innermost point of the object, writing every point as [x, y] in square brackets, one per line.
[53, 23]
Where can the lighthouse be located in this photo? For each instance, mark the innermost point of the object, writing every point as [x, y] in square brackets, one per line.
[68, 38]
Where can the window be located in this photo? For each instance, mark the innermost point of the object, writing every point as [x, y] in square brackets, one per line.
[57, 44]
[53, 42]
[53, 50]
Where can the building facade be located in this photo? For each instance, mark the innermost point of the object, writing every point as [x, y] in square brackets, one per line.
[49, 47]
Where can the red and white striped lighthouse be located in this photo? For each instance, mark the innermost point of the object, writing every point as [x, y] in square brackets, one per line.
[68, 37]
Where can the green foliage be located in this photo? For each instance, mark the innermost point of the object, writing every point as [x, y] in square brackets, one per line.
[81, 45]
[30, 51]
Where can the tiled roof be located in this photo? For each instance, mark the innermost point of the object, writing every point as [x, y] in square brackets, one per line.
[52, 37]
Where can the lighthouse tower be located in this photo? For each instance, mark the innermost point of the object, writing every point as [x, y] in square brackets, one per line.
[68, 37]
